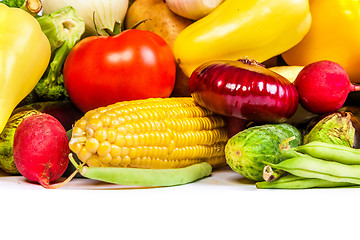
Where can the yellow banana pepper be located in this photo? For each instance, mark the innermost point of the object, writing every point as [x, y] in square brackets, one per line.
[334, 35]
[24, 55]
[257, 29]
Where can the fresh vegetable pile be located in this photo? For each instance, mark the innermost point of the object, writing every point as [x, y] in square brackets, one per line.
[161, 93]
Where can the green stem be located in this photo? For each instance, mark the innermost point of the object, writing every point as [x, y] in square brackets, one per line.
[57, 64]
[72, 160]
[270, 175]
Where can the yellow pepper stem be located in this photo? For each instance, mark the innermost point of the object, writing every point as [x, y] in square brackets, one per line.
[32, 6]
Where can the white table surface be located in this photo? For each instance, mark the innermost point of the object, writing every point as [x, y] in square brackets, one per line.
[222, 206]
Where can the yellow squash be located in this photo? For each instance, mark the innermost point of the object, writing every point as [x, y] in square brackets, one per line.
[257, 29]
[24, 55]
[334, 35]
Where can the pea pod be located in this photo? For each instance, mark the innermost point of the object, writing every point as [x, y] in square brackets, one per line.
[295, 182]
[145, 177]
[286, 151]
[310, 167]
[329, 151]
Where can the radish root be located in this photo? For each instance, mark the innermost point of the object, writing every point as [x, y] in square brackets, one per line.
[68, 179]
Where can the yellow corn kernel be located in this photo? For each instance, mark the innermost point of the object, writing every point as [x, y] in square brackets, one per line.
[105, 158]
[111, 135]
[124, 152]
[92, 114]
[106, 119]
[150, 133]
[129, 141]
[89, 132]
[75, 146]
[101, 134]
[94, 123]
[92, 145]
[115, 161]
[93, 161]
[84, 154]
[125, 161]
[115, 151]
[104, 148]
[82, 123]
[135, 162]
[77, 131]
[120, 139]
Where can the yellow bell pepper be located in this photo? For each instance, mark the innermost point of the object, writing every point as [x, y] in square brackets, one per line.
[24, 55]
[334, 35]
[257, 29]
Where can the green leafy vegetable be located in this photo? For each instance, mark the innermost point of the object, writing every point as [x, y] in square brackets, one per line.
[64, 29]
[13, 3]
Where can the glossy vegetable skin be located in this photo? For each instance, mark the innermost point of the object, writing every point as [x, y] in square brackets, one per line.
[334, 35]
[24, 55]
[103, 70]
[244, 90]
[258, 29]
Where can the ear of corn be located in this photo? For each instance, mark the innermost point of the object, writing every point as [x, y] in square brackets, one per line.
[151, 133]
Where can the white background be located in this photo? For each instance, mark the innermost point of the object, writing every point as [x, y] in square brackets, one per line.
[223, 206]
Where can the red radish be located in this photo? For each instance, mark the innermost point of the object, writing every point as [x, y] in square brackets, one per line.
[244, 89]
[323, 87]
[41, 149]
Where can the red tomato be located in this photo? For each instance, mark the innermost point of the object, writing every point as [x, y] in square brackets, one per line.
[102, 70]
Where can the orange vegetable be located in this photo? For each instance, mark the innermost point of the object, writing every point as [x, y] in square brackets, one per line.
[334, 35]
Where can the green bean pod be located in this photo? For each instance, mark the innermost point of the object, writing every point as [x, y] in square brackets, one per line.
[270, 174]
[146, 177]
[310, 167]
[295, 182]
[331, 152]
[290, 153]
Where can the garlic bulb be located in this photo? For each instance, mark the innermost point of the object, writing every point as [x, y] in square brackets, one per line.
[105, 12]
[193, 9]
